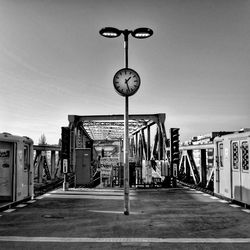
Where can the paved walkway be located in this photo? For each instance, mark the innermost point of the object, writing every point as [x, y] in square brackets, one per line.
[180, 218]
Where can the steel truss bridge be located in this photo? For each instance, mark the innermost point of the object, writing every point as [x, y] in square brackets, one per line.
[106, 133]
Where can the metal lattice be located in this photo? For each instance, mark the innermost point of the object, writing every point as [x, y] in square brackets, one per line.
[235, 155]
[245, 157]
[110, 130]
[107, 131]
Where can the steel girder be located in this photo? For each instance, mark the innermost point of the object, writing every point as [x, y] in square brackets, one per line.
[105, 130]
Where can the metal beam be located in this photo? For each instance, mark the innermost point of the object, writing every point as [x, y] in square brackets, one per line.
[203, 165]
[155, 144]
[144, 145]
[191, 169]
[149, 124]
[153, 117]
[197, 147]
[47, 148]
[148, 144]
[101, 127]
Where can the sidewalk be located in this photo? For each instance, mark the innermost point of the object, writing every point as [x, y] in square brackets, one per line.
[93, 218]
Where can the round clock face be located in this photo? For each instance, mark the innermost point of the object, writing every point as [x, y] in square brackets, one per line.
[126, 82]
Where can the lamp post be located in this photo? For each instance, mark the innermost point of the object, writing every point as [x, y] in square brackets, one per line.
[139, 33]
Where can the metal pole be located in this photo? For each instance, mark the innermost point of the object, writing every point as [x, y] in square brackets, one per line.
[126, 161]
[65, 184]
[126, 142]
[126, 33]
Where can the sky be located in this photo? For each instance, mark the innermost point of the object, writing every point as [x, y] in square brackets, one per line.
[53, 62]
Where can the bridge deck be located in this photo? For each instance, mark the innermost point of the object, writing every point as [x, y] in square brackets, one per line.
[180, 218]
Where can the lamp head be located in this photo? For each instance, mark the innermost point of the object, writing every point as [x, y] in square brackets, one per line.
[110, 32]
[142, 33]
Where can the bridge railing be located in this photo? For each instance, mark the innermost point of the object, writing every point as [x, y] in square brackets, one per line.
[197, 164]
[47, 163]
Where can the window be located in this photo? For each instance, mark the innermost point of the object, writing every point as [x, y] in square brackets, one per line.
[235, 155]
[220, 154]
[26, 158]
[244, 155]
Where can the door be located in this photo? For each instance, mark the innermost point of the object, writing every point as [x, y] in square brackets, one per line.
[240, 171]
[219, 167]
[236, 171]
[26, 170]
[245, 175]
[6, 171]
[83, 166]
[23, 171]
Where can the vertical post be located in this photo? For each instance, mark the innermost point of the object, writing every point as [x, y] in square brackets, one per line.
[136, 146]
[203, 167]
[126, 33]
[73, 135]
[159, 142]
[148, 145]
[66, 153]
[65, 182]
[100, 168]
[65, 171]
[126, 160]
[120, 163]
[53, 164]
[40, 167]
[126, 141]
[164, 141]
[189, 166]
[144, 146]
[187, 172]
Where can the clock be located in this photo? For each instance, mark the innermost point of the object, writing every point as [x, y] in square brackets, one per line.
[126, 81]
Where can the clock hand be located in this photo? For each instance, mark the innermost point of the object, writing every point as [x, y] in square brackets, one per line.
[127, 86]
[126, 80]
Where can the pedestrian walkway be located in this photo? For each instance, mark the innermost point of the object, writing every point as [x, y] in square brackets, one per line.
[180, 218]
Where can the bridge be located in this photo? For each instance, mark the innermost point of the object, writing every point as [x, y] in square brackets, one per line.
[104, 134]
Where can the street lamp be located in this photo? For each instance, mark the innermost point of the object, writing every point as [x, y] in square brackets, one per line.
[140, 33]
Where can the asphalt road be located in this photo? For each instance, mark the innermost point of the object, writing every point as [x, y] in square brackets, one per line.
[180, 218]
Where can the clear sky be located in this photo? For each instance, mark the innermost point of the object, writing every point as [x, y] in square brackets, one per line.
[53, 62]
